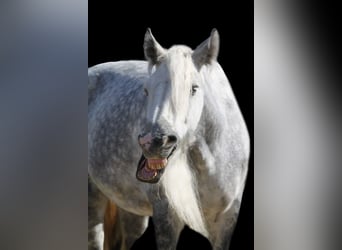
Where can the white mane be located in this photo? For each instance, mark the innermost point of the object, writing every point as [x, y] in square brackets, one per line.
[181, 190]
[179, 183]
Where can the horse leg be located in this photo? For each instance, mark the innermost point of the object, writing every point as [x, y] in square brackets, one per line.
[167, 226]
[128, 228]
[96, 209]
[110, 220]
[221, 227]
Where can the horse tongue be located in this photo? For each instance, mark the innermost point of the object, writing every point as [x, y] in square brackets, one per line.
[148, 173]
[144, 172]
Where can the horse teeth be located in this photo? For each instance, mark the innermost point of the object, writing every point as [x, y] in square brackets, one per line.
[157, 163]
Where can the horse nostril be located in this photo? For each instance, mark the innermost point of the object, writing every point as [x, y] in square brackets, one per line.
[172, 139]
[169, 140]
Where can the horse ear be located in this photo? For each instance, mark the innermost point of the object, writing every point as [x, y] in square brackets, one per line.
[207, 52]
[152, 49]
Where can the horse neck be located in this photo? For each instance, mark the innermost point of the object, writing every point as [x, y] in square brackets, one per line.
[219, 104]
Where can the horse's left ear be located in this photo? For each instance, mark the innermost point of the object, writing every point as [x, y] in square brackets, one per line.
[207, 52]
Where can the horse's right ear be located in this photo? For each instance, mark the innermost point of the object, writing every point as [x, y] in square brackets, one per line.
[152, 49]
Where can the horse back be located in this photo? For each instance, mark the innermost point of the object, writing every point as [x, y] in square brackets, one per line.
[107, 76]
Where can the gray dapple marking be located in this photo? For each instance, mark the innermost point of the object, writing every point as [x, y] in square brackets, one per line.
[166, 139]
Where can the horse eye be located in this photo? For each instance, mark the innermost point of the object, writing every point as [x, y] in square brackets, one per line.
[194, 89]
[145, 92]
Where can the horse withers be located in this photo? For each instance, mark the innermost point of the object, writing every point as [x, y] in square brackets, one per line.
[166, 140]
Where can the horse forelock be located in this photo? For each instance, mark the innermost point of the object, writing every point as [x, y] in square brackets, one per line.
[181, 70]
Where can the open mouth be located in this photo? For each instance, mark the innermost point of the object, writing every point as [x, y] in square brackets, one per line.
[151, 169]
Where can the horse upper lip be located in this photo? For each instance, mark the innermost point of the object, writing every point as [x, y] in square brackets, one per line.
[149, 155]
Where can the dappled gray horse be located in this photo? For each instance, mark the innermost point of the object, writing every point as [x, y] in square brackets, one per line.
[166, 139]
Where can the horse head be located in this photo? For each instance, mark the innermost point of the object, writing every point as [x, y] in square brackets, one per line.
[174, 100]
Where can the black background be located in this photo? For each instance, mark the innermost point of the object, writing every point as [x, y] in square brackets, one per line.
[116, 33]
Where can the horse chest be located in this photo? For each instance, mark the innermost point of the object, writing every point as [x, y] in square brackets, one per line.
[131, 199]
[214, 193]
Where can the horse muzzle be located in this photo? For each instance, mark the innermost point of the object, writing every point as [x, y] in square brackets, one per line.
[156, 152]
